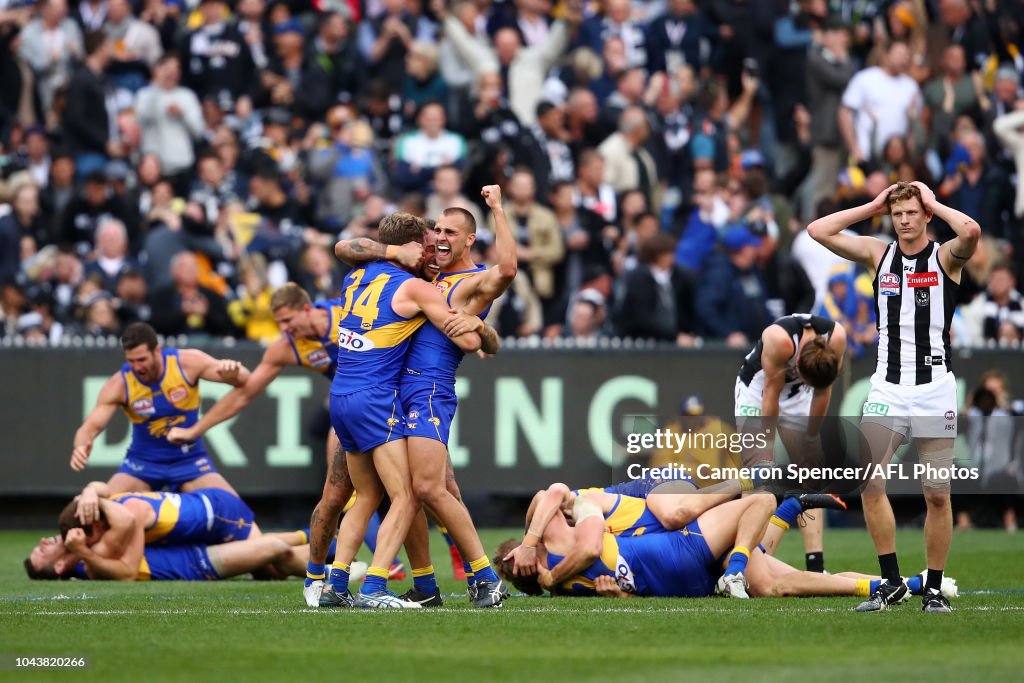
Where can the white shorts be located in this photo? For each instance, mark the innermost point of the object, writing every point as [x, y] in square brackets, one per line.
[923, 411]
[793, 410]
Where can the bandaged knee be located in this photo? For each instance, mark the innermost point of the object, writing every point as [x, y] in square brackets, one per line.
[937, 468]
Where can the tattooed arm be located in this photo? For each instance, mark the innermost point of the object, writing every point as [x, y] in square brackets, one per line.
[363, 249]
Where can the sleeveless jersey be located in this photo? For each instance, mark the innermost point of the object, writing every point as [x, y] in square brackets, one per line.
[751, 372]
[914, 305]
[172, 401]
[179, 517]
[372, 339]
[433, 357]
[320, 355]
[629, 517]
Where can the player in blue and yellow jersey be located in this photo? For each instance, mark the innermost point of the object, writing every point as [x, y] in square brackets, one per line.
[206, 516]
[158, 389]
[585, 559]
[428, 393]
[381, 312]
[309, 341]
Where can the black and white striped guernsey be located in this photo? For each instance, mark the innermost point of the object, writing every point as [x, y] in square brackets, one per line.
[914, 304]
[751, 372]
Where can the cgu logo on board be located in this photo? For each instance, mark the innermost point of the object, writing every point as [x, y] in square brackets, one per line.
[353, 341]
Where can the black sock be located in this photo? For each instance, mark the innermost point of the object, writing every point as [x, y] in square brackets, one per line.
[890, 568]
[934, 580]
[815, 562]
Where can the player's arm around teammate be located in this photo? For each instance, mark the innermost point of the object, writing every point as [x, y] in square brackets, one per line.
[589, 541]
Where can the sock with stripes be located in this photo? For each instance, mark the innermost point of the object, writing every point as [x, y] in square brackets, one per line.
[424, 581]
[314, 572]
[339, 576]
[738, 560]
[481, 570]
[376, 580]
[787, 513]
[447, 537]
[305, 535]
[470, 576]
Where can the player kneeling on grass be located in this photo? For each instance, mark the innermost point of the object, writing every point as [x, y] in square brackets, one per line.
[582, 559]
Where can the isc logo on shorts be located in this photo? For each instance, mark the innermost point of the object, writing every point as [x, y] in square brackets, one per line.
[353, 341]
[876, 409]
[889, 284]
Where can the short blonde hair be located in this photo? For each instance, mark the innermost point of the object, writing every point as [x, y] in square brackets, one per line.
[289, 295]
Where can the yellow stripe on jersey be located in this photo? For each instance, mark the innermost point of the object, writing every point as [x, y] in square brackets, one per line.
[166, 519]
[144, 573]
[625, 514]
[394, 334]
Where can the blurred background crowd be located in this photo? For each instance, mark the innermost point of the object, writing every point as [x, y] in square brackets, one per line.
[173, 161]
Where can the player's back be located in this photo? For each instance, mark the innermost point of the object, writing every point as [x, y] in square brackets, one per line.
[372, 338]
[153, 409]
[320, 355]
[751, 373]
[433, 357]
[206, 516]
[628, 516]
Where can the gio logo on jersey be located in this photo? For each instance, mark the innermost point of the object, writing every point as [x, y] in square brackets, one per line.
[353, 341]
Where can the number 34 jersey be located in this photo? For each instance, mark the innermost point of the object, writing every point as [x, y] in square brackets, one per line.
[372, 339]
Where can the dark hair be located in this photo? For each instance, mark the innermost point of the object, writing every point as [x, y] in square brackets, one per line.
[44, 574]
[68, 521]
[93, 41]
[654, 246]
[467, 218]
[137, 334]
[543, 107]
[818, 363]
[401, 228]
[984, 400]
[527, 584]
[166, 57]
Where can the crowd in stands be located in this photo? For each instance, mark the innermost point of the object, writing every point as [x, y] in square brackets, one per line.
[175, 160]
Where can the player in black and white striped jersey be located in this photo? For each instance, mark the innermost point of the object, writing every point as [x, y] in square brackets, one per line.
[913, 391]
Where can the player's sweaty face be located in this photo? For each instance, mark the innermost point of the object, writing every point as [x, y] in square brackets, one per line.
[143, 362]
[47, 551]
[451, 240]
[908, 218]
[295, 323]
[430, 269]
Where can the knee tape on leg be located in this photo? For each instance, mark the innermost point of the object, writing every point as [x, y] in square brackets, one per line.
[938, 466]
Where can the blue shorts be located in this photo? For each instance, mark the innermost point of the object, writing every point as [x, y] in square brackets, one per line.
[179, 563]
[366, 419]
[232, 518]
[641, 488]
[429, 409]
[167, 474]
[680, 564]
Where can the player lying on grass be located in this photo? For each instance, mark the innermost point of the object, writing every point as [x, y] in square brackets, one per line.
[689, 563]
[626, 515]
[157, 389]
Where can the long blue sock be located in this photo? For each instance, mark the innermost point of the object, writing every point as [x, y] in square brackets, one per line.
[339, 577]
[376, 581]
[789, 510]
[738, 560]
[424, 580]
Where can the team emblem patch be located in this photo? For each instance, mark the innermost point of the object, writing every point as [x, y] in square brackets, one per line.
[414, 414]
[889, 284]
[950, 415]
[144, 406]
[176, 394]
[442, 285]
[318, 358]
[922, 298]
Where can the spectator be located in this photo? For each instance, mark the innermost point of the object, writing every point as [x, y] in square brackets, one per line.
[346, 173]
[12, 303]
[582, 121]
[87, 121]
[973, 185]
[131, 303]
[540, 244]
[50, 44]
[849, 300]
[587, 315]
[24, 222]
[111, 259]
[186, 307]
[491, 121]
[422, 83]
[711, 450]
[136, 46]
[990, 433]
[384, 41]
[37, 156]
[700, 234]
[592, 192]
[588, 244]
[829, 70]
[17, 82]
[615, 21]
[878, 103]
[421, 152]
[527, 18]
[171, 119]
[100, 317]
[251, 310]
[213, 188]
[731, 298]
[91, 15]
[1009, 130]
[216, 57]
[292, 78]
[628, 166]
[338, 54]
[549, 156]
[84, 212]
[656, 300]
[1004, 308]
[320, 275]
[681, 36]
[448, 193]
[951, 94]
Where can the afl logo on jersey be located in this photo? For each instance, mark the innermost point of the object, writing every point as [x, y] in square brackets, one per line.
[318, 358]
[889, 284]
[442, 285]
[353, 341]
[144, 406]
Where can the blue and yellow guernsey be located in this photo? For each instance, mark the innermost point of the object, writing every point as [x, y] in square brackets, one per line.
[208, 516]
[173, 401]
[664, 565]
[629, 517]
[372, 339]
[433, 357]
[320, 355]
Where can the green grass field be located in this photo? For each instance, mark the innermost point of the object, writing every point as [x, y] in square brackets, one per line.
[261, 631]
